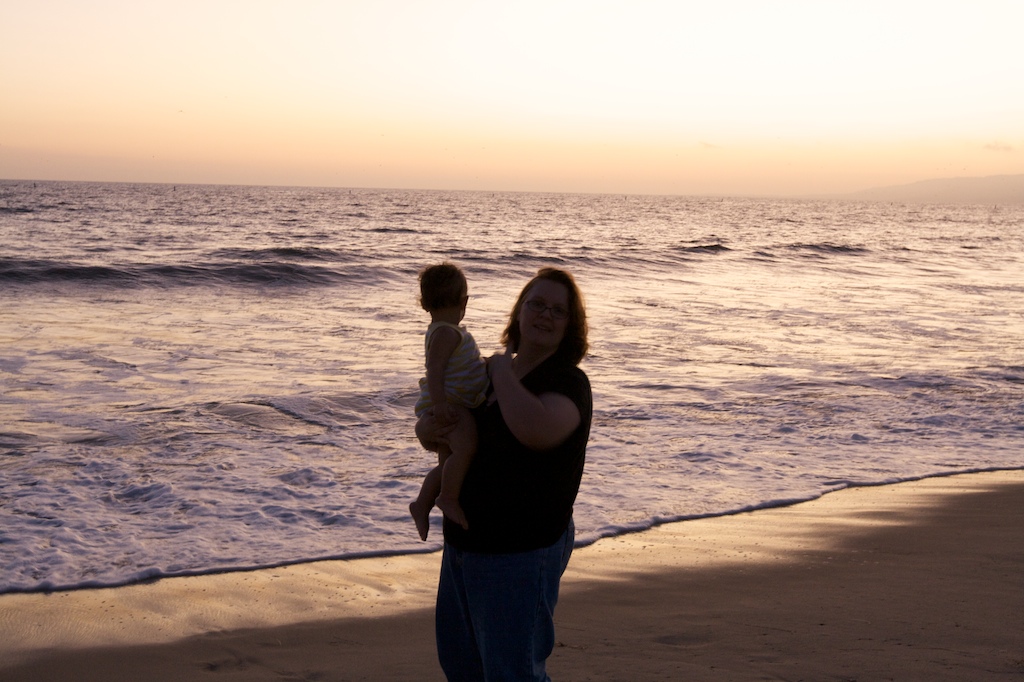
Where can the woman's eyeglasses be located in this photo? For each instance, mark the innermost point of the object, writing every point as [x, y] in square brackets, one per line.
[557, 312]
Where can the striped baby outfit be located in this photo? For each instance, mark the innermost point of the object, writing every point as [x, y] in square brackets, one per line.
[465, 378]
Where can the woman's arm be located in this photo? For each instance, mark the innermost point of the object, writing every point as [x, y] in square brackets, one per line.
[540, 422]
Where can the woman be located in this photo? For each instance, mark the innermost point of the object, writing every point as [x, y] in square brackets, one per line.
[499, 575]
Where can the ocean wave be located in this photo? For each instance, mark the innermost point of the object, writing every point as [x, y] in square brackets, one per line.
[705, 248]
[393, 230]
[33, 271]
[829, 248]
[312, 253]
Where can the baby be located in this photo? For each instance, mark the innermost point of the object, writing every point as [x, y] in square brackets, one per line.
[456, 380]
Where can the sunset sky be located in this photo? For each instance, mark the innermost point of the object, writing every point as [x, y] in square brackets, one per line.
[669, 97]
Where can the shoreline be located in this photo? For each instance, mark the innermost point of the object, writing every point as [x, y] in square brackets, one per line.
[154, 576]
[924, 577]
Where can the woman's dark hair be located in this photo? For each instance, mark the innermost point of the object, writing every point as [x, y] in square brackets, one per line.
[441, 286]
[574, 344]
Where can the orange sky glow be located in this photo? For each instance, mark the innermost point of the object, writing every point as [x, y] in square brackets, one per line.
[788, 97]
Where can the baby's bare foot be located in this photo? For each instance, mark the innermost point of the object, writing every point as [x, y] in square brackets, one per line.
[453, 510]
[421, 517]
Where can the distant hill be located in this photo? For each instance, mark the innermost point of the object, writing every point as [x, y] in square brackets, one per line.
[994, 189]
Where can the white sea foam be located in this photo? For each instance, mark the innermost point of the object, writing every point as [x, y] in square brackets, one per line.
[214, 378]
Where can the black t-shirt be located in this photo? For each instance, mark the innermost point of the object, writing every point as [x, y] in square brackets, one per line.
[516, 499]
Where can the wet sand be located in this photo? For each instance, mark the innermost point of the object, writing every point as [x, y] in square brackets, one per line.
[915, 581]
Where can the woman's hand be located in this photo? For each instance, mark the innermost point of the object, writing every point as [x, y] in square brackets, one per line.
[432, 432]
[499, 362]
[444, 414]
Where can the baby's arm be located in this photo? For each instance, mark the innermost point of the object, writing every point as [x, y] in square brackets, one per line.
[443, 343]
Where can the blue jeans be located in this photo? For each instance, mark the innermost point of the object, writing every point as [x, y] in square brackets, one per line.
[495, 612]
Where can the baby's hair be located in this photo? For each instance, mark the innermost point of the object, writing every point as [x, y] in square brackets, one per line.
[441, 286]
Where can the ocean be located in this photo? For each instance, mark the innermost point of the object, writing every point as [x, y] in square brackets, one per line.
[208, 378]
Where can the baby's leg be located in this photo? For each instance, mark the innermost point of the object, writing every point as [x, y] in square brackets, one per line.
[424, 502]
[463, 445]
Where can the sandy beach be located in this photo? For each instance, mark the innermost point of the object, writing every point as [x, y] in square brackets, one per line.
[915, 581]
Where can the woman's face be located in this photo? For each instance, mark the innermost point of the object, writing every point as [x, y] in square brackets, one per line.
[544, 316]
